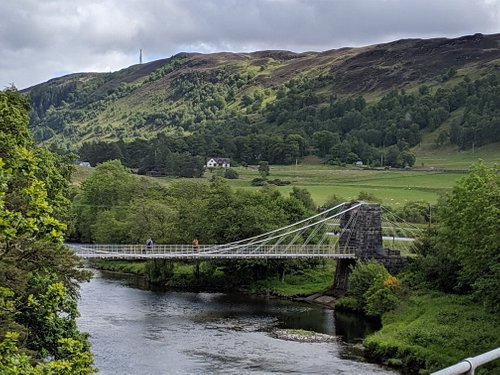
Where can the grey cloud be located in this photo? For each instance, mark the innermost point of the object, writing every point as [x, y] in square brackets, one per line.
[40, 39]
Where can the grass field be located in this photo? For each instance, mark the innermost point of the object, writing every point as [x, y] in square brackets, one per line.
[392, 187]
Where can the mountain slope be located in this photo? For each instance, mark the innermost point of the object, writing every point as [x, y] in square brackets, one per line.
[371, 104]
[144, 99]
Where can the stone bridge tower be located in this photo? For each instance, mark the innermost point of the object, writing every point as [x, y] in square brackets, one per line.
[361, 234]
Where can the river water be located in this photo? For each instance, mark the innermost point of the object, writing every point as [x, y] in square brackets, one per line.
[143, 332]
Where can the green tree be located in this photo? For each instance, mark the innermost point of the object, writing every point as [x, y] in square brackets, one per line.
[468, 229]
[38, 274]
[324, 140]
[264, 168]
[74, 359]
[303, 195]
[111, 185]
[332, 201]
[190, 200]
[151, 218]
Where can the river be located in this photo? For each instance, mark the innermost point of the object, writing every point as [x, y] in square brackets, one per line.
[143, 332]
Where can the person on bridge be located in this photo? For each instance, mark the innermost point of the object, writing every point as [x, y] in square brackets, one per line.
[196, 245]
[149, 245]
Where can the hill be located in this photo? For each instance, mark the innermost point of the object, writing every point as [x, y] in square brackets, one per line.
[344, 105]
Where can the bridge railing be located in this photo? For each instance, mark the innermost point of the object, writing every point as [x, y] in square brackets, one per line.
[205, 251]
[469, 365]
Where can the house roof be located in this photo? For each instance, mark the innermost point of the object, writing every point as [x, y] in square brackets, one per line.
[219, 160]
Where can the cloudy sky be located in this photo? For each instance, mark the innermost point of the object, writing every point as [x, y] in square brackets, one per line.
[43, 39]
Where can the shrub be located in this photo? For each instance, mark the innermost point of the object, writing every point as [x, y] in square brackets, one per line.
[349, 303]
[372, 289]
[332, 201]
[364, 275]
[231, 174]
[382, 300]
[415, 212]
[279, 182]
[258, 181]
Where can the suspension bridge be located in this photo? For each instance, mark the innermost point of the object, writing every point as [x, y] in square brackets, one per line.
[346, 231]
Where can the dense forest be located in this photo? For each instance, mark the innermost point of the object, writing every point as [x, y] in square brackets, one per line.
[371, 104]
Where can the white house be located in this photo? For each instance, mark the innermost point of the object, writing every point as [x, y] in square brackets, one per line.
[84, 164]
[216, 162]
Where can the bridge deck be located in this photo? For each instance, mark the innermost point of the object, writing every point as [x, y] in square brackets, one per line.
[206, 252]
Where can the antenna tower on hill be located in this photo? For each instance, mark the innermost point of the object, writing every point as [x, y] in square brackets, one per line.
[140, 56]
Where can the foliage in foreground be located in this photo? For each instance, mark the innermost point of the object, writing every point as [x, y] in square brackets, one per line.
[38, 274]
[75, 358]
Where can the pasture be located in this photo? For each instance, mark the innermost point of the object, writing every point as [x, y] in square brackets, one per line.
[392, 187]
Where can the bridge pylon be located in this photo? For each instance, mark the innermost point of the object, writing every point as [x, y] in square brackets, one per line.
[361, 234]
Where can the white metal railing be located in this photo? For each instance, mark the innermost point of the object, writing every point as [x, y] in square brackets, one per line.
[179, 251]
[469, 365]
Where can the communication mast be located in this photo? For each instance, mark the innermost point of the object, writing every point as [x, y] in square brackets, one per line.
[140, 56]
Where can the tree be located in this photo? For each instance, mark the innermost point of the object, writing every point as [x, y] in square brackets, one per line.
[38, 274]
[264, 169]
[324, 140]
[460, 254]
[468, 230]
[110, 185]
[416, 212]
[332, 201]
[303, 195]
[149, 217]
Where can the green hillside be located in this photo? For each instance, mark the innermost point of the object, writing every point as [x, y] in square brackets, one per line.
[376, 104]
